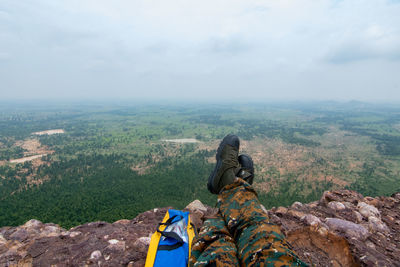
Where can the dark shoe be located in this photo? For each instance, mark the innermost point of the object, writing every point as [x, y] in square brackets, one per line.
[246, 171]
[227, 163]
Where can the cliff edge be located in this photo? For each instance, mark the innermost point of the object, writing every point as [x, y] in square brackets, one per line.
[343, 228]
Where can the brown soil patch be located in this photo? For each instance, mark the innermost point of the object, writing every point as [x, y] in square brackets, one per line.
[333, 161]
[209, 146]
[330, 178]
[169, 150]
[22, 160]
[141, 169]
[33, 147]
[34, 150]
[321, 249]
[272, 152]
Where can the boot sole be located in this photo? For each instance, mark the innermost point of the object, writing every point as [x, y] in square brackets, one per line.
[212, 179]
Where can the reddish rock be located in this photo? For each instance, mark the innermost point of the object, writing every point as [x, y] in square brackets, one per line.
[368, 210]
[281, 210]
[365, 232]
[311, 220]
[348, 229]
[336, 206]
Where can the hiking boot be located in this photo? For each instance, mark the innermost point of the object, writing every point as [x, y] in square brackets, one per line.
[246, 171]
[227, 165]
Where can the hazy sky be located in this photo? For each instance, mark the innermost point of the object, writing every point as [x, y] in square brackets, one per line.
[208, 49]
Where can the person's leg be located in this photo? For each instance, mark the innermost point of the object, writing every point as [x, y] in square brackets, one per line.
[213, 246]
[259, 242]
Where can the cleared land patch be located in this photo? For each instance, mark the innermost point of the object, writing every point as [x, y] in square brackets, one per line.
[33, 150]
[182, 140]
[22, 160]
[339, 157]
[50, 132]
[33, 147]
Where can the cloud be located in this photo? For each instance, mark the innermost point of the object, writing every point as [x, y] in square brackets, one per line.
[231, 46]
[373, 43]
[4, 55]
[209, 47]
[361, 52]
[4, 15]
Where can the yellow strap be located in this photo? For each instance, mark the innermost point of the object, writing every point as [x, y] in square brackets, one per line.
[190, 232]
[155, 239]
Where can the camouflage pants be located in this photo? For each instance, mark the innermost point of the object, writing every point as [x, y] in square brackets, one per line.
[241, 234]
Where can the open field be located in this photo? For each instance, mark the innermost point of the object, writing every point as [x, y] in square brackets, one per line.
[111, 159]
[22, 160]
[181, 141]
[49, 132]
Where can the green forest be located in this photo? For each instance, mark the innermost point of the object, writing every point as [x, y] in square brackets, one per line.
[116, 160]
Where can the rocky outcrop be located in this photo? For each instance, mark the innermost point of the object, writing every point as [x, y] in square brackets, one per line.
[122, 243]
[343, 228]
